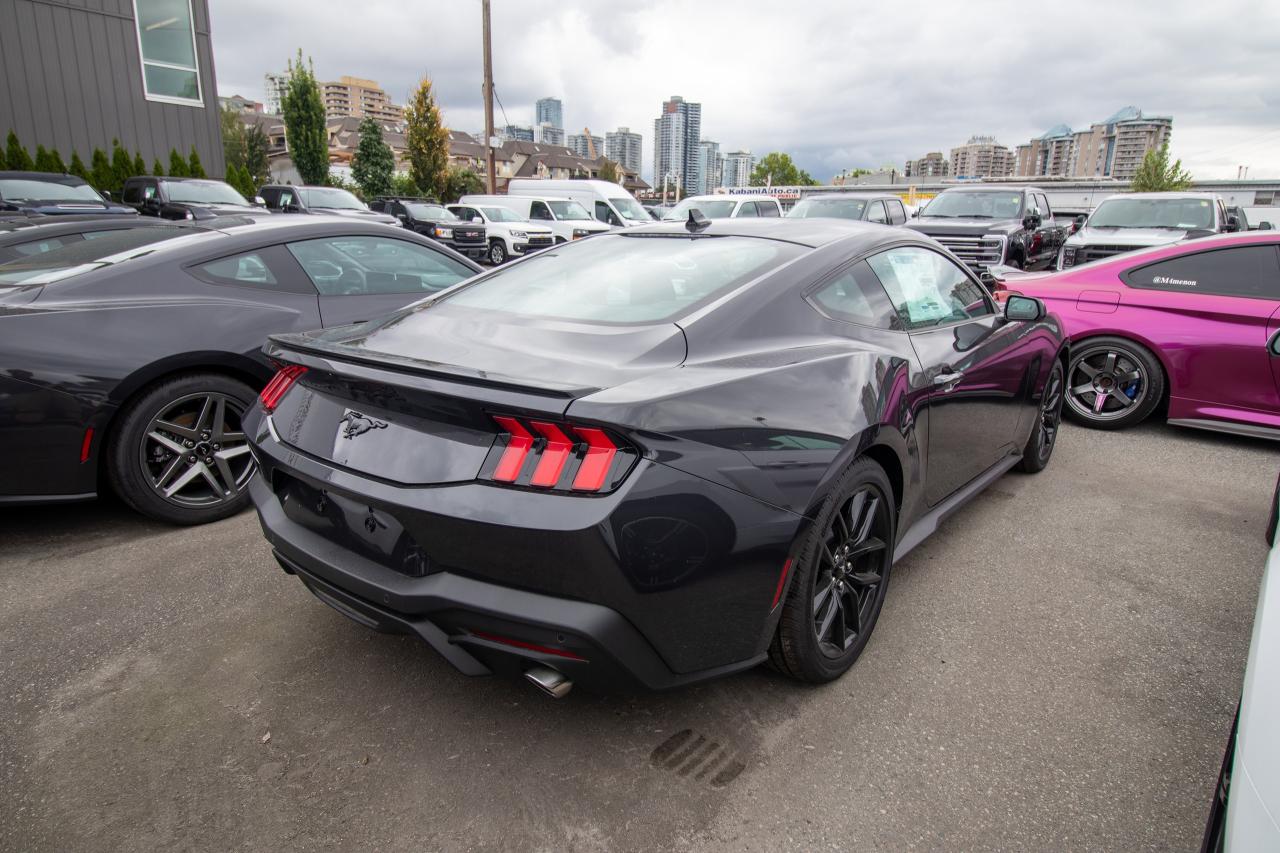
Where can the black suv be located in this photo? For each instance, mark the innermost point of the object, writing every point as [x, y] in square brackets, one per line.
[334, 201]
[184, 198]
[33, 193]
[430, 218]
[987, 225]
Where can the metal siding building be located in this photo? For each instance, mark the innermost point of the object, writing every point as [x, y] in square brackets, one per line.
[73, 81]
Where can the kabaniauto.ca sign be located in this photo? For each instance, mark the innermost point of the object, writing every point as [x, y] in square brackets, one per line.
[780, 193]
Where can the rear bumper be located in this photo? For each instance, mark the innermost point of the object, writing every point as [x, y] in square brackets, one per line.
[589, 586]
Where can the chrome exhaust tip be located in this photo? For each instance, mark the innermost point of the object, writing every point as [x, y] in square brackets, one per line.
[549, 681]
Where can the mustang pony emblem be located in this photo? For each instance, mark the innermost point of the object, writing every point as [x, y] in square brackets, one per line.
[354, 423]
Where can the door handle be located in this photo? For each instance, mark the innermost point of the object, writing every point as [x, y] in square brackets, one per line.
[948, 381]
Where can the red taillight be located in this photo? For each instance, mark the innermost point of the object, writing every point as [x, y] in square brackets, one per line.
[595, 465]
[521, 644]
[517, 449]
[279, 384]
[567, 457]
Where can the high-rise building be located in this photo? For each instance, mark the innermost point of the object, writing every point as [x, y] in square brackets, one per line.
[276, 86]
[675, 144]
[624, 148]
[931, 165]
[548, 134]
[357, 97]
[578, 143]
[981, 157]
[709, 161]
[1050, 153]
[738, 166]
[549, 111]
[515, 133]
[1111, 148]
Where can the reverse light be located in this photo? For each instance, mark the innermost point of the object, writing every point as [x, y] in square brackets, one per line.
[279, 384]
[556, 456]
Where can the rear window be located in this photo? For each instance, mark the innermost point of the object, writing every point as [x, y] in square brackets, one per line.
[621, 279]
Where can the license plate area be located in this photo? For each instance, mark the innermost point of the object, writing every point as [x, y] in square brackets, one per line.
[367, 529]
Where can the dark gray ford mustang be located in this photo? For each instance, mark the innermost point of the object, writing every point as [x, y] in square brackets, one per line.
[653, 456]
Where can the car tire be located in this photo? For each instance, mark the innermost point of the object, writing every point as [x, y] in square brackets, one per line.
[497, 253]
[560, 240]
[199, 414]
[1044, 433]
[1125, 374]
[839, 568]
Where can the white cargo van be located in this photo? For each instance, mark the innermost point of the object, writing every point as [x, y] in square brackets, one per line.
[607, 202]
[567, 219]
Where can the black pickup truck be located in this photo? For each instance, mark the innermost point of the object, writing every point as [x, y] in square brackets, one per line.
[185, 198]
[428, 217]
[986, 225]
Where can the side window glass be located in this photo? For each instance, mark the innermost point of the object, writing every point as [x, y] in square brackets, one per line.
[357, 266]
[855, 296]
[247, 270]
[897, 213]
[148, 192]
[132, 194]
[927, 289]
[539, 210]
[768, 208]
[39, 247]
[286, 199]
[748, 208]
[1248, 271]
[602, 211]
[876, 213]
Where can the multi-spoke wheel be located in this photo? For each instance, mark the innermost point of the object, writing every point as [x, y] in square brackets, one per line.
[839, 579]
[1044, 434]
[180, 453]
[1112, 383]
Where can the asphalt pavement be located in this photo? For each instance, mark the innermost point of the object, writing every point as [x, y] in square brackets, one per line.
[1056, 669]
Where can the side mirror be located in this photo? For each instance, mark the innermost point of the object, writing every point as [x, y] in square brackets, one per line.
[1233, 223]
[915, 214]
[1031, 220]
[106, 194]
[476, 220]
[1264, 225]
[1023, 308]
[1077, 225]
[291, 208]
[259, 201]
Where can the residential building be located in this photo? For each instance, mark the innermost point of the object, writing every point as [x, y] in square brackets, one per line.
[1112, 148]
[709, 162]
[515, 133]
[578, 144]
[981, 157]
[548, 134]
[357, 97]
[276, 86]
[549, 111]
[239, 104]
[675, 144]
[738, 166]
[931, 165]
[1050, 153]
[624, 148]
[140, 72]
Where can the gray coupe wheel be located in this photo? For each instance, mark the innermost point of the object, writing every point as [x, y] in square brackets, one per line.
[1112, 383]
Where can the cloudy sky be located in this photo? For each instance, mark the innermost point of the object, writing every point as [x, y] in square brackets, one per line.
[836, 84]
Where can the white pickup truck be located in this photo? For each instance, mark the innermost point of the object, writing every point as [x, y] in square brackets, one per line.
[509, 235]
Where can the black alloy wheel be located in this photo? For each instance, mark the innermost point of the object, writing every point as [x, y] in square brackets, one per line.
[1112, 383]
[180, 453]
[840, 579]
[497, 253]
[1044, 434]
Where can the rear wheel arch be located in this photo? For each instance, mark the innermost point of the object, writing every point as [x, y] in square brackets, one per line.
[887, 458]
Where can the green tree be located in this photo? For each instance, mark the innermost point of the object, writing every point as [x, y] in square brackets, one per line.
[777, 168]
[403, 185]
[139, 165]
[373, 163]
[248, 183]
[610, 172]
[304, 127]
[77, 167]
[56, 161]
[43, 160]
[460, 182]
[1157, 174]
[256, 160]
[177, 164]
[427, 141]
[100, 174]
[194, 167]
[16, 157]
[157, 169]
[232, 137]
[121, 166]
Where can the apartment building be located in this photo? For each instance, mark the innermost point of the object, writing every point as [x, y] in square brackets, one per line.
[357, 98]
[981, 157]
[711, 162]
[931, 165]
[585, 146]
[625, 148]
[737, 169]
[1112, 148]
[676, 133]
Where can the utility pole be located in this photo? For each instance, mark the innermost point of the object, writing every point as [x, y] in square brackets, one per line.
[488, 100]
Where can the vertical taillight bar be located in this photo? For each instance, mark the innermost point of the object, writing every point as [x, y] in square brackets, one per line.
[517, 449]
[279, 384]
[595, 465]
[553, 456]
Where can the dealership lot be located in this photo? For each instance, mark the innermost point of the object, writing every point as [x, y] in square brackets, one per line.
[1056, 669]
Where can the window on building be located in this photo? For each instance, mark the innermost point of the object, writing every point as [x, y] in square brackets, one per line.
[167, 43]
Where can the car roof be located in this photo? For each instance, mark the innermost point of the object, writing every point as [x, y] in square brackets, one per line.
[968, 188]
[1178, 194]
[46, 177]
[864, 195]
[730, 197]
[805, 232]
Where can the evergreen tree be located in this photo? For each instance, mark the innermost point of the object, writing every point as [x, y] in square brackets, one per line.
[16, 156]
[304, 124]
[100, 174]
[78, 169]
[121, 166]
[256, 161]
[177, 165]
[373, 163]
[139, 165]
[427, 141]
[56, 161]
[610, 172]
[157, 169]
[1158, 175]
[43, 163]
[194, 168]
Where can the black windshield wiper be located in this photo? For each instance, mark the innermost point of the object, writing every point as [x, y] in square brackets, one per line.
[976, 216]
